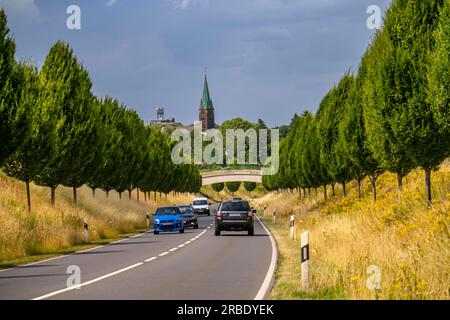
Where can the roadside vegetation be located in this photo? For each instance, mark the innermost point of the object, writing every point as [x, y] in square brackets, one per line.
[49, 230]
[407, 240]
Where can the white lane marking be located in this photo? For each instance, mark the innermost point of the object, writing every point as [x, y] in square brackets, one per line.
[113, 273]
[151, 259]
[267, 283]
[88, 282]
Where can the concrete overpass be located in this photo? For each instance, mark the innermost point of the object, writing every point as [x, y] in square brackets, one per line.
[213, 177]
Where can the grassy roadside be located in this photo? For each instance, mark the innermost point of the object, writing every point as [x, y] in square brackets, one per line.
[409, 242]
[6, 264]
[48, 231]
[288, 274]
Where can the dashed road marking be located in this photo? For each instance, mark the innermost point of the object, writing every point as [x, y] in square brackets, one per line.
[118, 271]
[151, 259]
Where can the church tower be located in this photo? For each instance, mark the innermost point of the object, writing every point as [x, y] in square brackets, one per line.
[206, 113]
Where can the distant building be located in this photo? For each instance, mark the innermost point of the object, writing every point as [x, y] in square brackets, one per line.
[206, 112]
[160, 119]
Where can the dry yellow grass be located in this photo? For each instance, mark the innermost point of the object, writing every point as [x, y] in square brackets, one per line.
[50, 229]
[408, 241]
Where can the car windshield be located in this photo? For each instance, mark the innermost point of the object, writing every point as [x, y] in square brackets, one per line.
[186, 210]
[200, 203]
[235, 206]
[168, 211]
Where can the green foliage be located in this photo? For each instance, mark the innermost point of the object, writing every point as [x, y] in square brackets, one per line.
[233, 186]
[218, 187]
[14, 122]
[250, 186]
[439, 81]
[56, 132]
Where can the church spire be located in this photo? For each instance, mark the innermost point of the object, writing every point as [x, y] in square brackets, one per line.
[206, 102]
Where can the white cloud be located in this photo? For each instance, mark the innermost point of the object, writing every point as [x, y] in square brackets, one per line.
[184, 4]
[111, 3]
[23, 8]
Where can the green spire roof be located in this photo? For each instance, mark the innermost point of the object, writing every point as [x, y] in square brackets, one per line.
[206, 102]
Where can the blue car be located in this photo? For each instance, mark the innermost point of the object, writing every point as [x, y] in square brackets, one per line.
[168, 219]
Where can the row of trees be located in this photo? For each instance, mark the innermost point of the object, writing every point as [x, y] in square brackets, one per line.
[234, 186]
[54, 131]
[392, 115]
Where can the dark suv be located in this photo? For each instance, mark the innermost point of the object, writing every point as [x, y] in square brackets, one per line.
[235, 215]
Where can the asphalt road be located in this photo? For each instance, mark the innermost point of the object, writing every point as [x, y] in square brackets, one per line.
[195, 265]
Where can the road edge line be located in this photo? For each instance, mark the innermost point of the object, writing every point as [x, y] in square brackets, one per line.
[269, 280]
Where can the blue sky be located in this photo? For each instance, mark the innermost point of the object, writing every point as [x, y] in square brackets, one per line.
[266, 59]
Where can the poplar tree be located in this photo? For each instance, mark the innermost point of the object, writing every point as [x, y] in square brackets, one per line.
[14, 122]
[250, 187]
[37, 150]
[218, 187]
[66, 84]
[233, 186]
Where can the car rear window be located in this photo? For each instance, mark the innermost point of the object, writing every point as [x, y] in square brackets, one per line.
[185, 210]
[168, 211]
[200, 203]
[235, 206]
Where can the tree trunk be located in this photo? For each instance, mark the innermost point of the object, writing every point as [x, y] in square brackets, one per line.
[373, 180]
[75, 199]
[358, 180]
[120, 195]
[27, 183]
[145, 196]
[309, 191]
[107, 193]
[333, 192]
[154, 195]
[325, 192]
[93, 192]
[344, 189]
[400, 181]
[137, 192]
[428, 185]
[129, 194]
[52, 195]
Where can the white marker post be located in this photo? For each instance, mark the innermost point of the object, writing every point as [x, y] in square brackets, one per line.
[86, 230]
[274, 216]
[292, 227]
[148, 220]
[305, 260]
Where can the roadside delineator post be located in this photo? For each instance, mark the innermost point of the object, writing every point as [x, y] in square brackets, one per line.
[292, 227]
[305, 260]
[148, 220]
[86, 230]
[265, 210]
[274, 216]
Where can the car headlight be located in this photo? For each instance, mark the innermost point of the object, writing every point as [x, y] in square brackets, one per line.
[157, 221]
